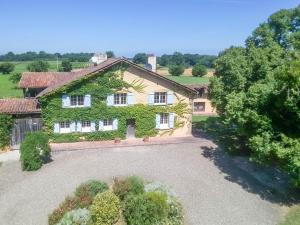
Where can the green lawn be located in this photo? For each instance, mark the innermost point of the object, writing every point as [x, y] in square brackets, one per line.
[293, 217]
[8, 89]
[189, 79]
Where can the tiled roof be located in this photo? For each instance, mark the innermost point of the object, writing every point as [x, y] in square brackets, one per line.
[54, 80]
[19, 106]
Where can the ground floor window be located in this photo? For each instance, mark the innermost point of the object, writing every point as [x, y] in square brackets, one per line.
[107, 124]
[164, 120]
[64, 127]
[86, 126]
[199, 106]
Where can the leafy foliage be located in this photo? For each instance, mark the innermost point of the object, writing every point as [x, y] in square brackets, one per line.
[6, 122]
[66, 66]
[176, 70]
[130, 185]
[6, 67]
[35, 151]
[31, 56]
[140, 58]
[256, 92]
[105, 209]
[38, 66]
[76, 216]
[199, 70]
[147, 209]
[93, 187]
[15, 77]
[110, 54]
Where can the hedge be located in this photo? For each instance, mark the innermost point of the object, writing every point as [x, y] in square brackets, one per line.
[6, 123]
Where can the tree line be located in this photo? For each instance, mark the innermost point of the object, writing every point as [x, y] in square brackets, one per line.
[256, 91]
[34, 56]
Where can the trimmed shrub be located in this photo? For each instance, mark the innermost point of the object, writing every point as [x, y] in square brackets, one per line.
[130, 185]
[77, 216]
[175, 214]
[35, 151]
[199, 70]
[91, 187]
[176, 70]
[159, 187]
[105, 209]
[6, 122]
[147, 209]
[68, 204]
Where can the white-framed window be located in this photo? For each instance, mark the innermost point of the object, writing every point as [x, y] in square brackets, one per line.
[77, 100]
[164, 120]
[85, 126]
[64, 127]
[107, 124]
[120, 99]
[160, 98]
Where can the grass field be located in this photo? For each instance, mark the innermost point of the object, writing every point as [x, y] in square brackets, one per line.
[189, 79]
[8, 89]
[293, 217]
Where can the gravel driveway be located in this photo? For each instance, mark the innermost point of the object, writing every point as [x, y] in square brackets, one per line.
[212, 190]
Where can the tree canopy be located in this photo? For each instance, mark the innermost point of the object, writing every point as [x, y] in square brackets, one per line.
[6, 67]
[66, 66]
[140, 58]
[38, 66]
[256, 91]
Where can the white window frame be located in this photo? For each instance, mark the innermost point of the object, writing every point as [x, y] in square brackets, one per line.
[164, 121]
[64, 127]
[119, 99]
[77, 100]
[85, 126]
[159, 96]
[107, 124]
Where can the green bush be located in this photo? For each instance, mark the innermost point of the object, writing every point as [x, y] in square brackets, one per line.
[92, 187]
[6, 67]
[105, 209]
[68, 204]
[199, 70]
[147, 209]
[76, 217]
[6, 122]
[130, 185]
[34, 151]
[38, 66]
[176, 70]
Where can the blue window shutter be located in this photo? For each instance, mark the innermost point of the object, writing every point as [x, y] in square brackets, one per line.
[72, 126]
[171, 120]
[115, 124]
[110, 100]
[93, 126]
[130, 99]
[151, 98]
[157, 121]
[78, 129]
[101, 125]
[87, 100]
[56, 127]
[66, 102]
[170, 98]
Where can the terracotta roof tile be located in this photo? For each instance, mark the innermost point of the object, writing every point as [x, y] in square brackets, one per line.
[19, 105]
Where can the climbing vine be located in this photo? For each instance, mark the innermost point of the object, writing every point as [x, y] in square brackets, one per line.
[6, 123]
[99, 86]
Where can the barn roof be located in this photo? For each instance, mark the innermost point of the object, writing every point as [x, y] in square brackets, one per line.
[19, 106]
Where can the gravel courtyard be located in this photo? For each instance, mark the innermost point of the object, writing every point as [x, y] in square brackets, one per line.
[212, 190]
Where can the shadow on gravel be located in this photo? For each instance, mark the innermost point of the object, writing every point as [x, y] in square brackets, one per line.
[247, 181]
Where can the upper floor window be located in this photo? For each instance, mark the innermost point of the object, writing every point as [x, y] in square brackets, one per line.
[77, 100]
[120, 99]
[160, 97]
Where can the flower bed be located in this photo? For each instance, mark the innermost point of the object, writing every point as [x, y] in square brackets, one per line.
[128, 201]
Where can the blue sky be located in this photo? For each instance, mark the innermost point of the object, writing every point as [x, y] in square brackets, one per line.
[131, 26]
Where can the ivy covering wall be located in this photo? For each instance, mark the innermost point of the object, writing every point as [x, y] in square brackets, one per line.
[99, 86]
[6, 123]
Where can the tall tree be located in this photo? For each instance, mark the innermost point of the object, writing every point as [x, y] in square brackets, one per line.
[110, 54]
[140, 58]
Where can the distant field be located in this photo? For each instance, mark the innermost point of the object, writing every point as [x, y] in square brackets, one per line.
[189, 80]
[8, 89]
